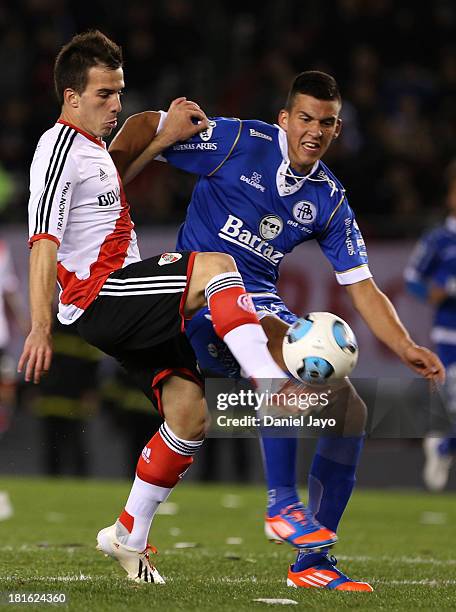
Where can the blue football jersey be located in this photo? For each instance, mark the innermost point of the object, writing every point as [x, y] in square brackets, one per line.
[249, 203]
[434, 261]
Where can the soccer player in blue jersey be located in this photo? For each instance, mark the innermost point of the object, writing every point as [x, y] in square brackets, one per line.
[262, 191]
[431, 275]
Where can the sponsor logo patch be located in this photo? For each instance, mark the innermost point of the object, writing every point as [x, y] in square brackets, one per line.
[169, 258]
[207, 134]
[245, 302]
[253, 181]
[348, 237]
[305, 212]
[62, 204]
[196, 146]
[270, 227]
[233, 231]
[260, 135]
[103, 175]
[146, 454]
[109, 198]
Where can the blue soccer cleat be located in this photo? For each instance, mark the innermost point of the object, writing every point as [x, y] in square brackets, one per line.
[323, 574]
[296, 525]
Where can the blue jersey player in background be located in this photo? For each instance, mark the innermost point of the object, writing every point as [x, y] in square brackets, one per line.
[262, 191]
[431, 275]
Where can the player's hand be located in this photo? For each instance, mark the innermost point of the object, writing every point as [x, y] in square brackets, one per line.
[184, 119]
[36, 356]
[424, 362]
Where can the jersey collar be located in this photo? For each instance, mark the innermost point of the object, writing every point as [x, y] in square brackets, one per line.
[283, 186]
[450, 224]
[100, 143]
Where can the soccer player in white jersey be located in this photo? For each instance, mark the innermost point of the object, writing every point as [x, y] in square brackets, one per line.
[81, 235]
[262, 191]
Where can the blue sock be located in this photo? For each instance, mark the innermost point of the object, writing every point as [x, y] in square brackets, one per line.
[332, 478]
[447, 446]
[305, 560]
[279, 455]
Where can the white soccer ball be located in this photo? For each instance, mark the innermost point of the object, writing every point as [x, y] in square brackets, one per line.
[320, 347]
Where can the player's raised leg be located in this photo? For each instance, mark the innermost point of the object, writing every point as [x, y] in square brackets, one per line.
[216, 280]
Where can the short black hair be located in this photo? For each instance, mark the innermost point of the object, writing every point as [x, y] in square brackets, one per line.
[316, 84]
[84, 51]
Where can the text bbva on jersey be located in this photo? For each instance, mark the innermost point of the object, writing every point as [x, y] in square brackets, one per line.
[109, 198]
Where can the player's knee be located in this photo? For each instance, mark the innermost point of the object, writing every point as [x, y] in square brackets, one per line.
[208, 265]
[356, 415]
[187, 420]
[347, 408]
[205, 267]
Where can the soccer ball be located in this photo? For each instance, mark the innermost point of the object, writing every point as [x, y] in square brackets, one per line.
[320, 347]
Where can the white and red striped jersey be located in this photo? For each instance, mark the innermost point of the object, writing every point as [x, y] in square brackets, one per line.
[77, 200]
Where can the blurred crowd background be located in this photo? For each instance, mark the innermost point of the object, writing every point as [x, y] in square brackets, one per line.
[395, 64]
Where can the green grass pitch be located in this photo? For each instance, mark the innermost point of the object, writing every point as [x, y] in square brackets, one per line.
[403, 543]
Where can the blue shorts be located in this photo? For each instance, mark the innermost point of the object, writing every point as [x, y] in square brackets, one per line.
[213, 355]
[447, 354]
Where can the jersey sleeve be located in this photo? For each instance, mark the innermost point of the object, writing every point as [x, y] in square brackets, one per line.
[207, 151]
[53, 178]
[423, 259]
[343, 245]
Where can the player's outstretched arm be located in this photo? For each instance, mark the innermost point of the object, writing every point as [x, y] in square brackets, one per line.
[137, 143]
[37, 352]
[383, 320]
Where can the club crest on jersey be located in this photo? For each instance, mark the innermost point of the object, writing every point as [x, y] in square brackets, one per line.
[305, 212]
[169, 258]
[245, 302]
[270, 227]
[207, 134]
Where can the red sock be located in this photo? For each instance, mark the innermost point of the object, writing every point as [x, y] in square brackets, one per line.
[229, 303]
[160, 465]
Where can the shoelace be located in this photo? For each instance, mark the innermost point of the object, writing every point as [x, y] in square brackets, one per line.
[299, 512]
[150, 550]
[330, 563]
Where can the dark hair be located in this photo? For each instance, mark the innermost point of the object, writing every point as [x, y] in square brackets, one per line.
[84, 51]
[316, 84]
